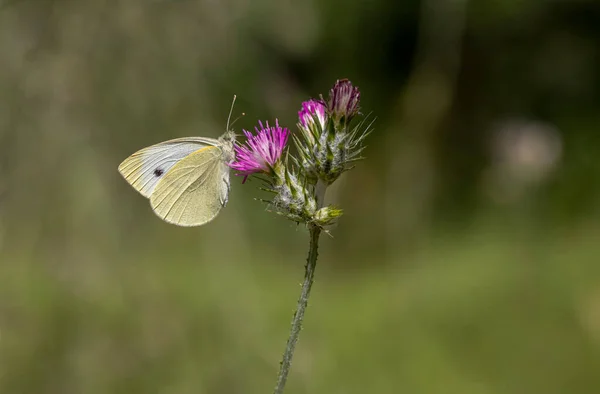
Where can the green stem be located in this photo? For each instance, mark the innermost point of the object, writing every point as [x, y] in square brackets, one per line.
[311, 263]
[320, 190]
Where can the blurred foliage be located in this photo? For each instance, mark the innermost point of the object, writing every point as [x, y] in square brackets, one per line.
[467, 259]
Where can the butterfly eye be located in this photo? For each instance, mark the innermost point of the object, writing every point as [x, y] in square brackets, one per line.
[158, 172]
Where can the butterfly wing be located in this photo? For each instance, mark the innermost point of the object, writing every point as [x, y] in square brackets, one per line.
[194, 190]
[146, 167]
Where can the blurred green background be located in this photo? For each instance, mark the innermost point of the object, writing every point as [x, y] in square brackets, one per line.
[467, 260]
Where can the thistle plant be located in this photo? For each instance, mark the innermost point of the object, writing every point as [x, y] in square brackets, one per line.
[327, 145]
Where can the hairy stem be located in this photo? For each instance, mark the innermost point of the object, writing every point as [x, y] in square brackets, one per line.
[311, 263]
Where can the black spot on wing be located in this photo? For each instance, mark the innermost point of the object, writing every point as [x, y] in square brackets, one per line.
[158, 172]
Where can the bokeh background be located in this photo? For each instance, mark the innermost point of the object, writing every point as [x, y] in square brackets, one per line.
[468, 258]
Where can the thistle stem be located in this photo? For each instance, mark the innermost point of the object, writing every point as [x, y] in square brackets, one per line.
[320, 190]
[311, 263]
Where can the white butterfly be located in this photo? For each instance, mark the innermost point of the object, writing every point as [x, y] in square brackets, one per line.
[186, 179]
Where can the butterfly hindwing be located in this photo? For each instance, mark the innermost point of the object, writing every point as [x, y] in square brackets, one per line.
[194, 190]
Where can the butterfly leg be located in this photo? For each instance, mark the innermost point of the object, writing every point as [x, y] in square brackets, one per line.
[225, 198]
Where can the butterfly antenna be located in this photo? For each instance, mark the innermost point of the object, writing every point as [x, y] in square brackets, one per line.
[229, 123]
[230, 112]
[238, 118]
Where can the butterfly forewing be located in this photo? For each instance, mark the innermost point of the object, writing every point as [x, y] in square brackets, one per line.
[146, 167]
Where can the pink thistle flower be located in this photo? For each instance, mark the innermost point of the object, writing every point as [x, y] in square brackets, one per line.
[261, 151]
[343, 100]
[311, 110]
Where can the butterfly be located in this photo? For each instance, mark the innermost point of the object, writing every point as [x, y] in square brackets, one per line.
[185, 179]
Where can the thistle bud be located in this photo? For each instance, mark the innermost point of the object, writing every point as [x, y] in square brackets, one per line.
[327, 145]
[343, 103]
[326, 216]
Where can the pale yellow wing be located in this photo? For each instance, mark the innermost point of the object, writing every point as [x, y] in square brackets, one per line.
[194, 190]
[146, 167]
